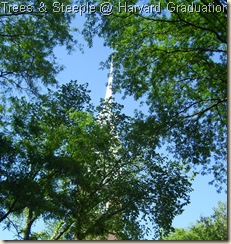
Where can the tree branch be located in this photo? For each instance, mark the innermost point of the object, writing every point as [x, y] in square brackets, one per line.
[62, 232]
[29, 221]
[11, 209]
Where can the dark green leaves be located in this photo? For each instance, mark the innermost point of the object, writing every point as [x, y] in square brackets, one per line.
[26, 45]
[89, 176]
[176, 62]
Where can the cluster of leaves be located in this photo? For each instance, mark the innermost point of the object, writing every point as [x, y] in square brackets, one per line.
[176, 62]
[89, 177]
[211, 228]
[27, 41]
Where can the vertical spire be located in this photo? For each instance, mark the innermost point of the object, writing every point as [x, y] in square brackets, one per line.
[105, 118]
[108, 94]
[106, 113]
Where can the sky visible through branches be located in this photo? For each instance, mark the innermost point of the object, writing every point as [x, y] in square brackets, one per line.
[86, 68]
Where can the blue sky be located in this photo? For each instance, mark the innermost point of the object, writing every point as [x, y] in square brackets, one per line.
[86, 68]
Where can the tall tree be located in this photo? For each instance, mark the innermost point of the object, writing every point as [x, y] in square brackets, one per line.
[173, 56]
[211, 228]
[29, 32]
[64, 166]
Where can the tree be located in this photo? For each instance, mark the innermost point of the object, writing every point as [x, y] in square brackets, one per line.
[88, 179]
[106, 176]
[29, 32]
[175, 61]
[207, 228]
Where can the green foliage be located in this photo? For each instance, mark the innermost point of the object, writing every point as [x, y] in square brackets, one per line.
[207, 228]
[176, 62]
[86, 175]
[80, 174]
[27, 41]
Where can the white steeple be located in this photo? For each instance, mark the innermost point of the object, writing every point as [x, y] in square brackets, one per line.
[105, 118]
[108, 94]
[105, 114]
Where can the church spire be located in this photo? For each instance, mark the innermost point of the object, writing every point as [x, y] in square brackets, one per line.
[105, 114]
[108, 94]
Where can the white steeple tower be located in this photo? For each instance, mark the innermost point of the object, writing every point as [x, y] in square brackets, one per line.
[108, 94]
[104, 118]
[105, 114]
